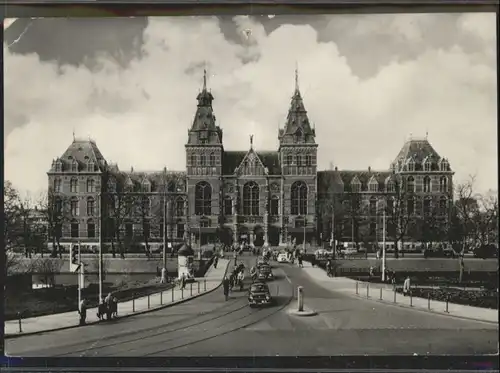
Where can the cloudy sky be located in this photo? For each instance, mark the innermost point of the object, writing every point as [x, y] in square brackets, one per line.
[368, 81]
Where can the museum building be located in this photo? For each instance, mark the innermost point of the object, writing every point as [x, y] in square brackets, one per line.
[260, 197]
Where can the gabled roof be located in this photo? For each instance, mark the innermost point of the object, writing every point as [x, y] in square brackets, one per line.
[232, 160]
[337, 181]
[82, 151]
[418, 150]
[176, 181]
[252, 157]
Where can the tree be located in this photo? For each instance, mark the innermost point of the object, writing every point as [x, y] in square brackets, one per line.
[431, 226]
[25, 215]
[485, 219]
[399, 210]
[10, 216]
[354, 212]
[143, 209]
[56, 210]
[47, 268]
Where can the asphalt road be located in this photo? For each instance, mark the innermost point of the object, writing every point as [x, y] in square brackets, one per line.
[211, 326]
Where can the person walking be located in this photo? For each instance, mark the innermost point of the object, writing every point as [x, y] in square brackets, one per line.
[225, 287]
[216, 261]
[299, 258]
[407, 286]
[163, 275]
[82, 310]
[241, 277]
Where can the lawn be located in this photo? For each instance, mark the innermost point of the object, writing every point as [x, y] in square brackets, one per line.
[475, 298]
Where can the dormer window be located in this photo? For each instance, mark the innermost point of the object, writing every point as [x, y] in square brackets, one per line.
[445, 166]
[74, 166]
[411, 165]
[58, 166]
[90, 166]
[390, 187]
[355, 185]
[373, 186]
[427, 165]
[146, 186]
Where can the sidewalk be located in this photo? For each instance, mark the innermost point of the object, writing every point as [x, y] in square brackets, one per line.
[385, 293]
[203, 285]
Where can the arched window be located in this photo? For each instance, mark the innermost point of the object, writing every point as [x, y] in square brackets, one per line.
[299, 198]
[228, 205]
[57, 185]
[427, 165]
[390, 186]
[193, 159]
[411, 165]
[90, 166]
[203, 160]
[274, 207]
[373, 206]
[410, 206]
[427, 184]
[75, 229]
[443, 205]
[74, 166]
[410, 184]
[203, 199]
[251, 199]
[75, 208]
[58, 208]
[74, 185]
[90, 186]
[427, 206]
[212, 159]
[443, 184]
[90, 229]
[179, 206]
[90, 206]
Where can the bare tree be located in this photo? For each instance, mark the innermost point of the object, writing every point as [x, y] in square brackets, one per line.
[143, 209]
[47, 268]
[25, 208]
[354, 215]
[56, 210]
[432, 225]
[399, 210]
[10, 216]
[485, 219]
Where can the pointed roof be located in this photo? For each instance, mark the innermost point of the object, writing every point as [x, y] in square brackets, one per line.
[233, 159]
[297, 122]
[417, 150]
[252, 157]
[82, 151]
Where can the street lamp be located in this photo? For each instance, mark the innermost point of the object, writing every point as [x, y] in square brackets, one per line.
[383, 245]
[99, 195]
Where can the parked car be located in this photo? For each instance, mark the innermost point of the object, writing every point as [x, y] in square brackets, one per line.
[265, 273]
[259, 295]
[282, 258]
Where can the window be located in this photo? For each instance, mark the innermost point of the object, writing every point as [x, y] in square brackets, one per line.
[58, 166]
[75, 209]
[90, 229]
[212, 159]
[390, 205]
[146, 229]
[75, 229]
[171, 187]
[289, 160]
[299, 160]
[204, 223]
[180, 230]
[90, 185]
[373, 187]
[129, 230]
[251, 199]
[427, 184]
[411, 206]
[179, 206]
[308, 160]
[57, 185]
[445, 166]
[390, 186]
[74, 166]
[58, 207]
[90, 166]
[427, 166]
[410, 186]
[203, 160]
[274, 207]
[411, 165]
[203, 199]
[299, 198]
[373, 206]
[110, 228]
[300, 223]
[356, 186]
[90, 206]
[145, 206]
[427, 206]
[193, 159]
[146, 186]
[373, 228]
[228, 206]
[74, 185]
[443, 205]
[443, 184]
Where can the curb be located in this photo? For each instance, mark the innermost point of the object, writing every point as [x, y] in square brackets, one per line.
[305, 313]
[180, 301]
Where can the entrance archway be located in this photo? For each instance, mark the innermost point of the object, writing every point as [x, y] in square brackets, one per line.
[259, 236]
[274, 236]
[243, 235]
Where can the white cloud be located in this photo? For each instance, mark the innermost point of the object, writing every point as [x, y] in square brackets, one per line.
[140, 115]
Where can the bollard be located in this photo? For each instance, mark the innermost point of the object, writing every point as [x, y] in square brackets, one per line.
[205, 284]
[173, 287]
[394, 294]
[277, 290]
[161, 298]
[447, 300]
[368, 290]
[191, 288]
[133, 303]
[19, 318]
[198, 287]
[149, 303]
[411, 299]
[357, 288]
[380, 293]
[300, 298]
[428, 301]
[182, 293]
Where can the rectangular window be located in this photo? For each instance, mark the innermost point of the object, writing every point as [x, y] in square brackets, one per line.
[91, 230]
[180, 230]
[289, 160]
[75, 209]
[75, 227]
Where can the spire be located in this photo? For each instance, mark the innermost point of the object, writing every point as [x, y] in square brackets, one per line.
[74, 136]
[251, 141]
[296, 77]
[205, 98]
[205, 79]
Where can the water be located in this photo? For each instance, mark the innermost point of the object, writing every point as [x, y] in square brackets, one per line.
[68, 279]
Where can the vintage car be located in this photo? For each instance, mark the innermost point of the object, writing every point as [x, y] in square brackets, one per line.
[282, 257]
[265, 273]
[259, 295]
[262, 261]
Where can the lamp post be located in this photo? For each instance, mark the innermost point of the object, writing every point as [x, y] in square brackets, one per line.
[165, 227]
[333, 234]
[383, 246]
[99, 195]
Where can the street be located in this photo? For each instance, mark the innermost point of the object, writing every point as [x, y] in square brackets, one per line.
[210, 326]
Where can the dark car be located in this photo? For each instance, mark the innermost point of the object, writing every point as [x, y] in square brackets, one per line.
[265, 273]
[259, 295]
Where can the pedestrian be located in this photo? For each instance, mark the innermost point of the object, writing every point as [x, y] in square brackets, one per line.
[241, 277]
[407, 286]
[225, 287]
[163, 279]
[216, 261]
[300, 261]
[182, 282]
[82, 310]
